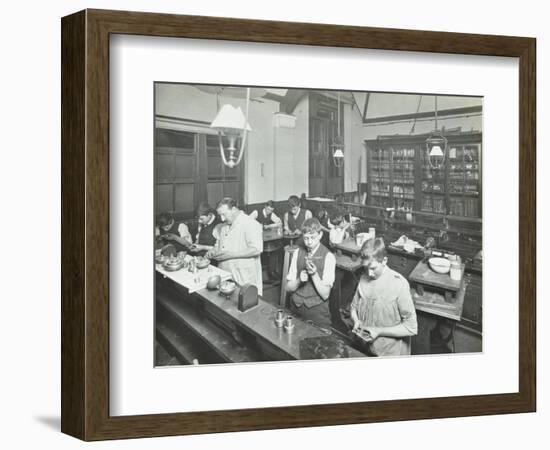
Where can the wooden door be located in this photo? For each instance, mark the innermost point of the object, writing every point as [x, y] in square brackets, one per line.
[189, 170]
[325, 179]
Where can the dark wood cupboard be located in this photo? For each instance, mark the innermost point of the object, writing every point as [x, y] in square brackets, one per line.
[400, 175]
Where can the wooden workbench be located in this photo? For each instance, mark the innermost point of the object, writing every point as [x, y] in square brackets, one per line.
[255, 328]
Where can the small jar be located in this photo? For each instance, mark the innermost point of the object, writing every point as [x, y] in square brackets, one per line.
[456, 270]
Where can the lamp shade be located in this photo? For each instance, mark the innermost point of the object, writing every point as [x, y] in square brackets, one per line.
[338, 153]
[436, 151]
[230, 120]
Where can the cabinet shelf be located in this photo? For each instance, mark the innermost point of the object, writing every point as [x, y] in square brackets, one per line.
[465, 194]
[399, 162]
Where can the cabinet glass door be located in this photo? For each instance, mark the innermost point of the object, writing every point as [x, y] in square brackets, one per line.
[464, 180]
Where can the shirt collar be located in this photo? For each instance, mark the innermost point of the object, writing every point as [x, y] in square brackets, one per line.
[209, 223]
[316, 248]
[237, 218]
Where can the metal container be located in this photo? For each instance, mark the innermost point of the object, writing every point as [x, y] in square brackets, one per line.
[173, 265]
[279, 318]
[289, 324]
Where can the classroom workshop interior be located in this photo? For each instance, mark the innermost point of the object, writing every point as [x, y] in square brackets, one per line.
[295, 224]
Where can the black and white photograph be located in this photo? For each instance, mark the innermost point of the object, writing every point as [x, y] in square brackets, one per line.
[302, 224]
[271, 223]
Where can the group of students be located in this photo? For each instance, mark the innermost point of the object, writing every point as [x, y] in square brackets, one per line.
[382, 305]
[335, 226]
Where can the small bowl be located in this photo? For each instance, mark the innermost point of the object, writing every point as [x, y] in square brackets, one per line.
[173, 266]
[227, 288]
[440, 265]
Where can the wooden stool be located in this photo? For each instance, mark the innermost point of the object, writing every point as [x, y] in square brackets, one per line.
[289, 250]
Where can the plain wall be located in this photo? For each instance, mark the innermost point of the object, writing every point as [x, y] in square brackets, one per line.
[355, 154]
[382, 105]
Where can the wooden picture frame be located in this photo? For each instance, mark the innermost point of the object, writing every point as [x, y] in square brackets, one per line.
[85, 224]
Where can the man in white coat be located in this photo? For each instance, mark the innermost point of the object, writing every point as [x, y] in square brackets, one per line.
[240, 245]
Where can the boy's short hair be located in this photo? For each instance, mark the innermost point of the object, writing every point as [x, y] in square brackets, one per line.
[205, 209]
[293, 200]
[311, 225]
[230, 202]
[164, 219]
[337, 218]
[374, 249]
[270, 204]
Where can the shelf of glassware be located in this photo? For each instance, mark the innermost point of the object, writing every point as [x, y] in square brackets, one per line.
[391, 172]
[380, 176]
[464, 180]
[403, 171]
[433, 190]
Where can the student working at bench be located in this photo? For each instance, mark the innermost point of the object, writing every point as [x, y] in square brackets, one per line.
[266, 216]
[382, 306]
[311, 276]
[171, 237]
[208, 229]
[339, 230]
[295, 216]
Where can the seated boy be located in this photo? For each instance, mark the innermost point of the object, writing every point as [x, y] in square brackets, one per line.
[268, 219]
[206, 236]
[311, 276]
[382, 309]
[326, 225]
[168, 231]
[295, 216]
[266, 216]
[338, 232]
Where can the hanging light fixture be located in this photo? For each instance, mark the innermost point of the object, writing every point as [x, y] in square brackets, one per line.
[230, 122]
[436, 145]
[338, 143]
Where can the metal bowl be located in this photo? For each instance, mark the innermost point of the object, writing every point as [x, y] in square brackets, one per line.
[227, 288]
[160, 259]
[173, 266]
[440, 265]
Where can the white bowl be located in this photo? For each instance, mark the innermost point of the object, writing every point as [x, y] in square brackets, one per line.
[440, 265]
